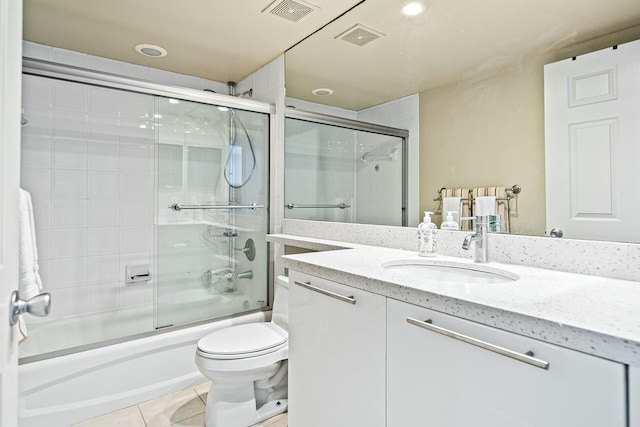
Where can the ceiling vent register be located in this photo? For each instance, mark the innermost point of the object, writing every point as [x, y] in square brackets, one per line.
[290, 10]
[359, 35]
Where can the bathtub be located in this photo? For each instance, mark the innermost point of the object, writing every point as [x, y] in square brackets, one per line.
[64, 390]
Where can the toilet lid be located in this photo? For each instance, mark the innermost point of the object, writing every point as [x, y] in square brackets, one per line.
[243, 339]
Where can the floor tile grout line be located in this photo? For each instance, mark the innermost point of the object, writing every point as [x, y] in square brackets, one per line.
[199, 396]
[142, 415]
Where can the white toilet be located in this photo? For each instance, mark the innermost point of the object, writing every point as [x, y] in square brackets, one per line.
[247, 366]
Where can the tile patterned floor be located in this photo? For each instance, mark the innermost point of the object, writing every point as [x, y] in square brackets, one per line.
[184, 408]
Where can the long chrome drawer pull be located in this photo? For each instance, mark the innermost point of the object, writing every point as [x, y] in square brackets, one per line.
[308, 285]
[526, 358]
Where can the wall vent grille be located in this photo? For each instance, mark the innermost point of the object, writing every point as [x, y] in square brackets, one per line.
[291, 10]
[359, 35]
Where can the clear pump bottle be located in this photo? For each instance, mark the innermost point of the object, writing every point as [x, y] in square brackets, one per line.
[449, 223]
[427, 232]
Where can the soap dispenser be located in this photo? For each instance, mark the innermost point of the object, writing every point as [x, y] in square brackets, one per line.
[449, 223]
[427, 231]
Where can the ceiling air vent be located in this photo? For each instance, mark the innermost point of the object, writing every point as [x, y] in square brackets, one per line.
[290, 10]
[359, 35]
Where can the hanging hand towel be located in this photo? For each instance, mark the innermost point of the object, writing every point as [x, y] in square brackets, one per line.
[29, 281]
[485, 205]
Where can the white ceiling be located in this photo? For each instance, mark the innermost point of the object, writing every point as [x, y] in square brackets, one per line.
[450, 41]
[226, 40]
[222, 40]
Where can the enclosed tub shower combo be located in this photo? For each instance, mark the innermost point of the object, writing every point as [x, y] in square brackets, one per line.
[151, 212]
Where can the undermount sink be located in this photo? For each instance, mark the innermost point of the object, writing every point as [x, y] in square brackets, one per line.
[449, 271]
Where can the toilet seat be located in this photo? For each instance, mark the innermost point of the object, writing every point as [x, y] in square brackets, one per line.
[243, 341]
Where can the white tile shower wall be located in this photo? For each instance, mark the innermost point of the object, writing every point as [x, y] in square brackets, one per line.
[374, 205]
[87, 159]
[111, 172]
[92, 191]
[402, 113]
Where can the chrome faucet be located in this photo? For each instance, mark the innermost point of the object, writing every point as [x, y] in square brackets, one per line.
[245, 275]
[480, 237]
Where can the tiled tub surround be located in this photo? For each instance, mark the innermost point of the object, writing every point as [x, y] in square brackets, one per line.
[45, 400]
[591, 314]
[87, 161]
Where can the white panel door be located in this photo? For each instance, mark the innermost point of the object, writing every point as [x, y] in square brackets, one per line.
[592, 142]
[434, 380]
[10, 79]
[336, 355]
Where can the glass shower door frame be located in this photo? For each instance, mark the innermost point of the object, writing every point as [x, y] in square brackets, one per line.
[356, 125]
[53, 70]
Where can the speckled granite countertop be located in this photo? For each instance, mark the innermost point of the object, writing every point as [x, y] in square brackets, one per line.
[595, 315]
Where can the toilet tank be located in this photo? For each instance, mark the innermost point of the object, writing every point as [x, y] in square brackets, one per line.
[280, 312]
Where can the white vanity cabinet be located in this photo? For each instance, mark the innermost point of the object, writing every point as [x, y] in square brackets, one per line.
[434, 379]
[336, 354]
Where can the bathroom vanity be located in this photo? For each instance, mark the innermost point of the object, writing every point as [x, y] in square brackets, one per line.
[376, 346]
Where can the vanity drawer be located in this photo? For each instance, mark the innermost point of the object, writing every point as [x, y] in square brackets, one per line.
[443, 371]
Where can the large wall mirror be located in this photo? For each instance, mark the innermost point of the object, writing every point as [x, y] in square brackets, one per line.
[477, 69]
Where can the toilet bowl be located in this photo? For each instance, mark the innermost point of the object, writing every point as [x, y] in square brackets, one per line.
[247, 367]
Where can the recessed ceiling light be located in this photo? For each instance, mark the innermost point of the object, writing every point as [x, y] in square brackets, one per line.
[322, 91]
[151, 50]
[412, 9]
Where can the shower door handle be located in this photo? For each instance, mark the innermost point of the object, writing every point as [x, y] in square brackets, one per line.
[40, 305]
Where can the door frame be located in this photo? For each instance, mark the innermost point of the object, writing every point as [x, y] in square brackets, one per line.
[10, 100]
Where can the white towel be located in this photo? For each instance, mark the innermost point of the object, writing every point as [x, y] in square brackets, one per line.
[485, 205]
[30, 283]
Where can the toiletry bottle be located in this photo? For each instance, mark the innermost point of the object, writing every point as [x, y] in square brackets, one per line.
[427, 236]
[449, 223]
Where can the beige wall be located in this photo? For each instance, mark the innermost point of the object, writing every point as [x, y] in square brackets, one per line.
[488, 132]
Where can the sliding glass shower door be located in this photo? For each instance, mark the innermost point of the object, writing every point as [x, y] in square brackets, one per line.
[347, 171]
[103, 163]
[212, 214]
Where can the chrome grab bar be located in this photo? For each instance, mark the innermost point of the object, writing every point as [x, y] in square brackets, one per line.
[296, 206]
[522, 357]
[308, 285]
[180, 206]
